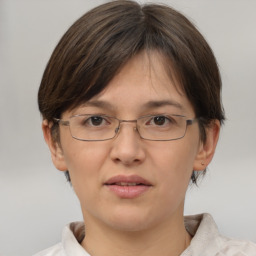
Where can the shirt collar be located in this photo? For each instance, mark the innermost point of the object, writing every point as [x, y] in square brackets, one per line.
[206, 239]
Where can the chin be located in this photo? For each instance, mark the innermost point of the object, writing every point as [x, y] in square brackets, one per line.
[130, 226]
[130, 221]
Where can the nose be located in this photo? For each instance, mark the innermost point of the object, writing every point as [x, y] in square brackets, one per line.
[127, 146]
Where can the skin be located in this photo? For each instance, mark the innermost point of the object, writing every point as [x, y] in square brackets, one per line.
[153, 222]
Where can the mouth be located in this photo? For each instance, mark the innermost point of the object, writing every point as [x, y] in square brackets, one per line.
[132, 180]
[128, 184]
[128, 187]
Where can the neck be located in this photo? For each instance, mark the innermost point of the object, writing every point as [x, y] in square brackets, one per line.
[169, 238]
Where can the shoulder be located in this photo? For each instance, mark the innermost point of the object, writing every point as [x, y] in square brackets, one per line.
[56, 250]
[72, 236]
[207, 241]
[234, 247]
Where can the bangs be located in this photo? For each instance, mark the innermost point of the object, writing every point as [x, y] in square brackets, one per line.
[101, 42]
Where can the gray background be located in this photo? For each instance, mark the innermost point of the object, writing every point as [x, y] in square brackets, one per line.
[36, 201]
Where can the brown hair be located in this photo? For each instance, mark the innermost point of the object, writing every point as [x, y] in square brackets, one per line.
[98, 44]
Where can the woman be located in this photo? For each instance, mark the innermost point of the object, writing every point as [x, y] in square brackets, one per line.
[131, 111]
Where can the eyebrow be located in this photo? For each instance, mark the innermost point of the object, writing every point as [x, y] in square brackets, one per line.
[162, 103]
[147, 105]
[98, 104]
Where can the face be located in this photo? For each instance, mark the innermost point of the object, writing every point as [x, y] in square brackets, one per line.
[106, 174]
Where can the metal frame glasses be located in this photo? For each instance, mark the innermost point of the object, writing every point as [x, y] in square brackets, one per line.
[160, 127]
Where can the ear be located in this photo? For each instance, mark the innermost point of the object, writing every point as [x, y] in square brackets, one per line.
[206, 149]
[54, 146]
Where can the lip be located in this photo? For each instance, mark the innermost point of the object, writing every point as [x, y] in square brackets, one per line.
[128, 187]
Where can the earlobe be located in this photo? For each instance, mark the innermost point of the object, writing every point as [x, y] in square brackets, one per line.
[207, 149]
[54, 147]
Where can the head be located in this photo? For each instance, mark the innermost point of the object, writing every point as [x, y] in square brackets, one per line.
[101, 48]
[102, 41]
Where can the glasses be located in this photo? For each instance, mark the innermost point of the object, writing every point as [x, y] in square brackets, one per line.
[163, 127]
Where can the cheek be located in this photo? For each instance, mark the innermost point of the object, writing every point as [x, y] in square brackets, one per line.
[83, 156]
[175, 155]
[84, 161]
[174, 164]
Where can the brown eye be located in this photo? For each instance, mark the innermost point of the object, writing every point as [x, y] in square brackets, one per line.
[160, 120]
[96, 120]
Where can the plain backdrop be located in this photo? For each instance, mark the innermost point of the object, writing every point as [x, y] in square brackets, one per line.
[36, 201]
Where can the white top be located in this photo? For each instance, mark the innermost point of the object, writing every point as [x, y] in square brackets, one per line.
[206, 240]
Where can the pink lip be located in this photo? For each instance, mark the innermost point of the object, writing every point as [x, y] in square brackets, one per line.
[128, 191]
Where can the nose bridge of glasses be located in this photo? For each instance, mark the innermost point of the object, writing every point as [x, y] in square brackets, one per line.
[126, 121]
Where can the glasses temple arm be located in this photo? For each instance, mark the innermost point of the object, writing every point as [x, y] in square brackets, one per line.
[62, 122]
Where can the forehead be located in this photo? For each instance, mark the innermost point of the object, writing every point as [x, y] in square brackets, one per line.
[146, 81]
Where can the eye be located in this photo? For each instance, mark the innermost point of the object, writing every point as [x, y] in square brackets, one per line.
[159, 121]
[94, 121]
